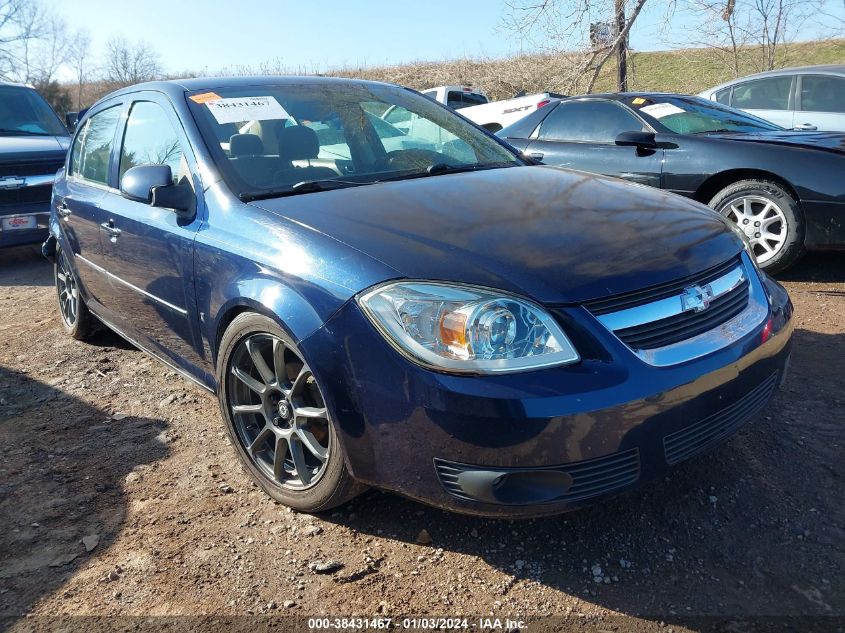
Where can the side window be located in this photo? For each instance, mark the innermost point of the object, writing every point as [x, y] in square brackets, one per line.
[92, 147]
[151, 140]
[588, 121]
[771, 93]
[820, 93]
[724, 96]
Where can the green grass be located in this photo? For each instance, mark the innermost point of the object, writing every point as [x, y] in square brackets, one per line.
[686, 71]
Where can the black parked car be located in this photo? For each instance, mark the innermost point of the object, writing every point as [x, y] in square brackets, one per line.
[33, 144]
[783, 188]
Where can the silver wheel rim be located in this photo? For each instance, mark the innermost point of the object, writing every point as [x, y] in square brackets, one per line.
[278, 411]
[67, 291]
[763, 223]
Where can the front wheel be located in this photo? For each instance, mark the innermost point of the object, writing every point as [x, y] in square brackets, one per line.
[277, 418]
[770, 218]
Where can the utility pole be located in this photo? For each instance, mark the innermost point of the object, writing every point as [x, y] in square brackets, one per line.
[621, 49]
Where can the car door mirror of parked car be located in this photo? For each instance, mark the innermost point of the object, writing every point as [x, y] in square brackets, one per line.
[70, 119]
[153, 185]
[643, 140]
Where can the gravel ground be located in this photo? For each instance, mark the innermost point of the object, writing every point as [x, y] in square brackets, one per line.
[120, 496]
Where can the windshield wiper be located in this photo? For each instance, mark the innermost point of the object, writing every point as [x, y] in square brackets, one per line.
[12, 131]
[445, 168]
[306, 186]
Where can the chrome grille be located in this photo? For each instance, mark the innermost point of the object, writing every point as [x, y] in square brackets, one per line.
[704, 434]
[687, 324]
[689, 318]
[661, 291]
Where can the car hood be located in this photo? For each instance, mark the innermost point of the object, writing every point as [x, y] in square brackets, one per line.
[555, 235]
[30, 148]
[827, 141]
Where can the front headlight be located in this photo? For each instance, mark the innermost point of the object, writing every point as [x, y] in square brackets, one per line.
[466, 329]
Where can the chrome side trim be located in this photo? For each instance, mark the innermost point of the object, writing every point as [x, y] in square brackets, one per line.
[755, 313]
[158, 300]
[159, 358]
[670, 306]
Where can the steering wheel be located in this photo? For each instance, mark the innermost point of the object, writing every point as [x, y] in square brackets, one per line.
[416, 159]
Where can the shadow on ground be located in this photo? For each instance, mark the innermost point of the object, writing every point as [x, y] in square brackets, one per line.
[24, 266]
[827, 267]
[61, 480]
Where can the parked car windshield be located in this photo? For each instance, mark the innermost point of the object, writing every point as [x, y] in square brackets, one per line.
[693, 115]
[23, 112]
[282, 139]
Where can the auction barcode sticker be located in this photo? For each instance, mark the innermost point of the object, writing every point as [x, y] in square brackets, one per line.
[247, 109]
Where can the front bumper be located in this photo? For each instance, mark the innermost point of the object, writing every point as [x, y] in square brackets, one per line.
[35, 219]
[538, 442]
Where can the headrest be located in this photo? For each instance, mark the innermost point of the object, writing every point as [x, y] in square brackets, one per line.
[245, 145]
[297, 143]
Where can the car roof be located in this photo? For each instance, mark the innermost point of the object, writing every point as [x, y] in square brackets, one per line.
[176, 86]
[619, 96]
[16, 85]
[833, 69]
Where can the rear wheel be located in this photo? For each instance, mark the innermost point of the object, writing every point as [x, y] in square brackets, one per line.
[770, 218]
[277, 418]
[76, 319]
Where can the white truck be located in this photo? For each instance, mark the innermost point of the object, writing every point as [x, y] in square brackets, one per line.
[492, 115]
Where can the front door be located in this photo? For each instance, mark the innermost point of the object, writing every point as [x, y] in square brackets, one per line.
[149, 250]
[582, 134]
[821, 103]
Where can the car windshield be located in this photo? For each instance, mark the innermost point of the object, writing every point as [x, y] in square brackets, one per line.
[273, 140]
[23, 112]
[693, 115]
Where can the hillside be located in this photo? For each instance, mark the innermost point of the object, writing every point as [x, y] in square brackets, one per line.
[689, 71]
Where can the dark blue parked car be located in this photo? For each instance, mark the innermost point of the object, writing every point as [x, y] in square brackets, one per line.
[416, 309]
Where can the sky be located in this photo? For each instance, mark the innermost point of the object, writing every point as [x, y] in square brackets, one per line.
[312, 36]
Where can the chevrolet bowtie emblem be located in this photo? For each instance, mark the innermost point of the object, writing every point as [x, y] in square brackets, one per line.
[12, 182]
[696, 298]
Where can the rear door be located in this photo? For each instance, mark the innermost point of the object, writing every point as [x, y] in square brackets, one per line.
[80, 195]
[821, 103]
[770, 98]
[582, 135]
[149, 250]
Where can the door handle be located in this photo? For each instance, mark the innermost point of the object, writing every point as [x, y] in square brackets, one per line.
[63, 210]
[807, 127]
[536, 155]
[111, 229]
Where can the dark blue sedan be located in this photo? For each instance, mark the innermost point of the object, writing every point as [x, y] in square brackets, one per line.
[415, 309]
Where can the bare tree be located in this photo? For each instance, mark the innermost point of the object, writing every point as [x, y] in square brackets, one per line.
[752, 35]
[564, 26]
[79, 61]
[20, 26]
[127, 64]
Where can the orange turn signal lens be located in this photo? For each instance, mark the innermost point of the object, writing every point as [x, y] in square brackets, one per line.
[453, 331]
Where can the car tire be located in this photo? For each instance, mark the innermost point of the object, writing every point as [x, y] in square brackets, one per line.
[248, 414]
[765, 204]
[76, 320]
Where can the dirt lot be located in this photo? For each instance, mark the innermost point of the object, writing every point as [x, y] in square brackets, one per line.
[99, 442]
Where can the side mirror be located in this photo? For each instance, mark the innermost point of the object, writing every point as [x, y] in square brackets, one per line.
[642, 140]
[138, 182]
[71, 119]
[153, 185]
